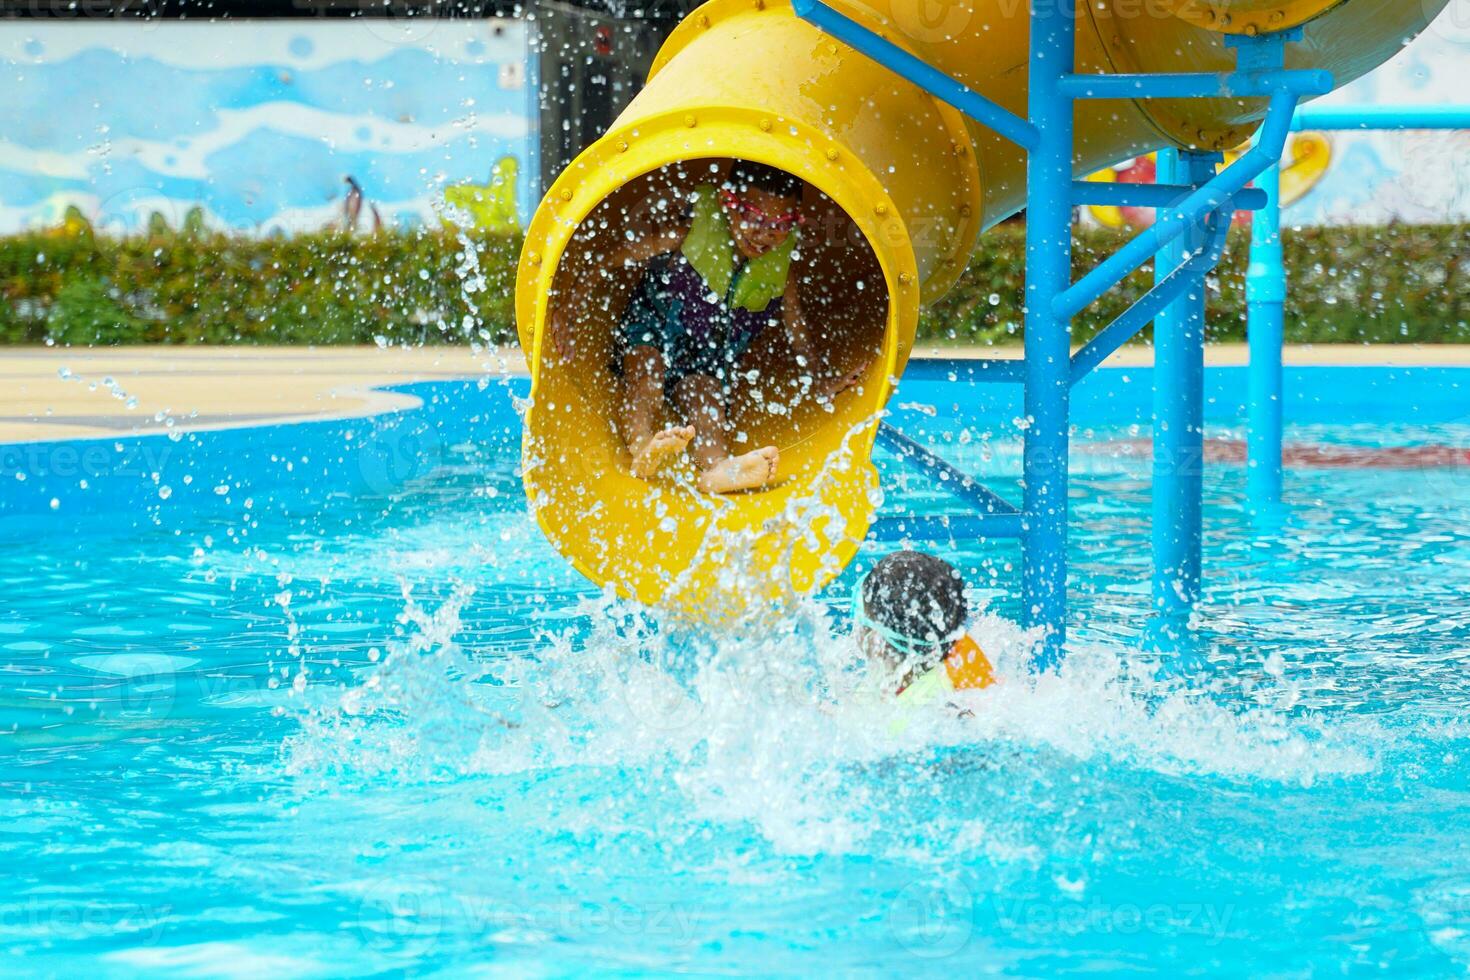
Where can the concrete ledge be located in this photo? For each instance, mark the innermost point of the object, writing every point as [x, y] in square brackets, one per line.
[61, 393]
[1237, 355]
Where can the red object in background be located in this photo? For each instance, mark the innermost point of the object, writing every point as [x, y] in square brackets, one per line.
[1141, 172]
[1308, 456]
[602, 41]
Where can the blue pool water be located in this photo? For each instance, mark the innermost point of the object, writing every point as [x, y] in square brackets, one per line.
[331, 706]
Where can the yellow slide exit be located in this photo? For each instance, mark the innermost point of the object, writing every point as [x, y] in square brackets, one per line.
[901, 186]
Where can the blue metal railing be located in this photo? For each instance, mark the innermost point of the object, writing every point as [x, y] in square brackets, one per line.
[1266, 287]
[1382, 117]
[991, 517]
[1195, 204]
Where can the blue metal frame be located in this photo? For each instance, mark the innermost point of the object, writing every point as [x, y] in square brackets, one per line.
[1382, 117]
[1266, 287]
[984, 500]
[1178, 417]
[1194, 203]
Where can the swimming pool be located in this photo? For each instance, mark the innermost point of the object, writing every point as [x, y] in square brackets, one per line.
[318, 699]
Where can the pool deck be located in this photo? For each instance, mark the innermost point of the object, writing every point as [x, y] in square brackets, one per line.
[69, 393]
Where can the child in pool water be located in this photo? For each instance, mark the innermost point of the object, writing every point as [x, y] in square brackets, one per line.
[709, 287]
[909, 618]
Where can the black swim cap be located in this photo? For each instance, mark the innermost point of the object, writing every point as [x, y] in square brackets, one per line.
[918, 596]
[747, 175]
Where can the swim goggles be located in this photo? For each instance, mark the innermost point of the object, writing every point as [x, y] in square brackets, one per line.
[911, 648]
[751, 214]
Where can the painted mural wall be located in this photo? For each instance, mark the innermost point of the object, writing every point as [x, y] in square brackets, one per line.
[1366, 177]
[1415, 177]
[298, 124]
[264, 125]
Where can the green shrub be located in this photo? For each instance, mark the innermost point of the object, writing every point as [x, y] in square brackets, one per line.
[1349, 285]
[186, 288]
[1397, 284]
[88, 311]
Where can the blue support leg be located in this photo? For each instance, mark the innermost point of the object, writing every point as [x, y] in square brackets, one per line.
[1266, 299]
[1178, 421]
[1048, 336]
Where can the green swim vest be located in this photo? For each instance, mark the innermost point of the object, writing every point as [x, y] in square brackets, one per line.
[710, 250]
[925, 690]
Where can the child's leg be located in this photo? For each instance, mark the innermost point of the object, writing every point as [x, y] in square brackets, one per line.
[638, 415]
[702, 401]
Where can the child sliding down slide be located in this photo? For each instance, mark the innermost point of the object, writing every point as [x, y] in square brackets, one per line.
[710, 284]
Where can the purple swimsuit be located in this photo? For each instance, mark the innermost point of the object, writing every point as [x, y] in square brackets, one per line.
[674, 311]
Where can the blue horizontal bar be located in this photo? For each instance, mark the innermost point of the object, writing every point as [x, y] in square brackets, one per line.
[968, 370]
[916, 70]
[1385, 117]
[961, 527]
[999, 369]
[1198, 85]
[1153, 195]
[946, 475]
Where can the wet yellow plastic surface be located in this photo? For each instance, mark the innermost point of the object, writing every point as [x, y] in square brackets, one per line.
[902, 186]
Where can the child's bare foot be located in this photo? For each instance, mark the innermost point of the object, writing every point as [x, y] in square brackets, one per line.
[661, 450]
[749, 472]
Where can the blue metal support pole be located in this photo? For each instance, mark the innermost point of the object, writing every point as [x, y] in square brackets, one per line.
[1000, 370]
[1194, 205]
[1169, 288]
[1257, 82]
[1048, 335]
[1178, 417]
[1152, 195]
[1265, 289]
[1174, 222]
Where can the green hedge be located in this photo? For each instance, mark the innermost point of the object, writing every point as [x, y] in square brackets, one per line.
[1350, 285]
[330, 288]
[1402, 284]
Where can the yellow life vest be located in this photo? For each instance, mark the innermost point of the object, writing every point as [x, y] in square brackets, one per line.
[710, 249]
[965, 668]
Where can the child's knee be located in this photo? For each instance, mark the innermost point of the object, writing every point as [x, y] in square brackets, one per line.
[645, 360]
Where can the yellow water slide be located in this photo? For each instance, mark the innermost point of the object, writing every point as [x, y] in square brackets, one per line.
[900, 189]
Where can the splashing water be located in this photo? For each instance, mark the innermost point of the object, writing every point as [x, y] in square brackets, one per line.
[490, 762]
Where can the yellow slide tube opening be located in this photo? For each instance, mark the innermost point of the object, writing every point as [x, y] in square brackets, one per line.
[899, 188]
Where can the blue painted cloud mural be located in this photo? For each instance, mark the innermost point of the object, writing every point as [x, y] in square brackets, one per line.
[258, 122]
[1415, 177]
